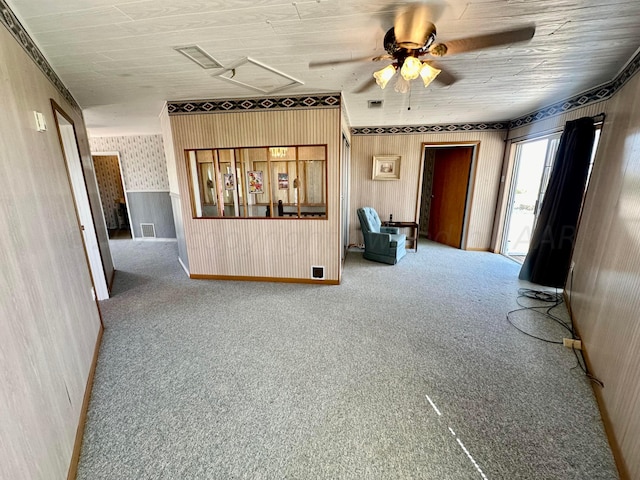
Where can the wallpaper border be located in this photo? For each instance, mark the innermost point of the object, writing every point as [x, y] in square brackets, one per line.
[11, 23]
[303, 102]
[412, 129]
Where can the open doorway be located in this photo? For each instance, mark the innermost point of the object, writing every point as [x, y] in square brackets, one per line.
[112, 194]
[77, 182]
[532, 167]
[446, 186]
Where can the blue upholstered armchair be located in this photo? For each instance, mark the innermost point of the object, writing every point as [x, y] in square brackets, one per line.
[381, 244]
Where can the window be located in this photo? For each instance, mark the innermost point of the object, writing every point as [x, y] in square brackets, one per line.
[262, 182]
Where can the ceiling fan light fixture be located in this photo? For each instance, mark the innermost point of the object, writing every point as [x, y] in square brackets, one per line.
[428, 73]
[402, 85]
[278, 152]
[411, 68]
[383, 76]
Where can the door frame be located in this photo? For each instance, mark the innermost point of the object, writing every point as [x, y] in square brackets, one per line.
[345, 179]
[96, 263]
[553, 140]
[124, 186]
[475, 145]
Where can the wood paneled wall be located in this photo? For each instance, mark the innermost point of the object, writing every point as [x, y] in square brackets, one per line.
[275, 248]
[605, 289]
[400, 197]
[49, 323]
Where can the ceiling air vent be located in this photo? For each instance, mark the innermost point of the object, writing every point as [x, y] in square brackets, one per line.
[375, 103]
[196, 54]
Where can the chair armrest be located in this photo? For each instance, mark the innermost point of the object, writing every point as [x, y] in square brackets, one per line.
[379, 242]
[394, 230]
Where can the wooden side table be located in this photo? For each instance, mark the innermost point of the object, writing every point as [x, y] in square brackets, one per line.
[414, 231]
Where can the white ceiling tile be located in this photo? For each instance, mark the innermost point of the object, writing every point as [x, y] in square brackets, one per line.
[212, 20]
[81, 19]
[112, 54]
[172, 8]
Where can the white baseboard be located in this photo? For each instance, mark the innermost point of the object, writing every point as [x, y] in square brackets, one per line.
[148, 239]
[186, 270]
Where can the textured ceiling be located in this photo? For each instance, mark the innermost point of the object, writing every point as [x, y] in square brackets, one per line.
[117, 59]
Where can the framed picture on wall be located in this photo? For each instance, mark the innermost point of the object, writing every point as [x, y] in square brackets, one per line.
[283, 181]
[229, 181]
[386, 167]
[254, 178]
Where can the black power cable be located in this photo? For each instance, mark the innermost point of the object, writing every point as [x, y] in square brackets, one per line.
[545, 310]
[555, 299]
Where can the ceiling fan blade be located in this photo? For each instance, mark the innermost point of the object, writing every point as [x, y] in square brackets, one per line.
[444, 78]
[365, 85]
[332, 63]
[483, 41]
[413, 25]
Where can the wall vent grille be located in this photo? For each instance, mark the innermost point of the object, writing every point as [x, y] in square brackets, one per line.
[375, 103]
[317, 273]
[148, 230]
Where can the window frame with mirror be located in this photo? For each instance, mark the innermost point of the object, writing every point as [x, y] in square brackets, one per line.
[259, 182]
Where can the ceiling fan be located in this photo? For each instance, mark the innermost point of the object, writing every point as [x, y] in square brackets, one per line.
[413, 37]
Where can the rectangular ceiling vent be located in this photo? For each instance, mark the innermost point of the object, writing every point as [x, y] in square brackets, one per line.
[199, 56]
[257, 76]
[375, 103]
[148, 230]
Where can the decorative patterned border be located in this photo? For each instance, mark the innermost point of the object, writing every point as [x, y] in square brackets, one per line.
[596, 94]
[11, 23]
[249, 104]
[455, 127]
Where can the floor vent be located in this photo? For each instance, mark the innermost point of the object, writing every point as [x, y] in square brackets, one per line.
[148, 230]
[317, 273]
[374, 103]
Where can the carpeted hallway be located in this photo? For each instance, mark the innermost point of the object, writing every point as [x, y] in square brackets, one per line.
[402, 372]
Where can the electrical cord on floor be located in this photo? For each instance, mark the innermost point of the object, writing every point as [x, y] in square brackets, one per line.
[546, 298]
[556, 299]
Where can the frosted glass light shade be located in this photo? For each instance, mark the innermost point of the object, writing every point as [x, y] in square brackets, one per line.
[402, 85]
[428, 73]
[383, 76]
[410, 68]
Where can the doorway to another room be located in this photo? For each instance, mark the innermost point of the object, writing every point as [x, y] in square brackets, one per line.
[112, 194]
[446, 185]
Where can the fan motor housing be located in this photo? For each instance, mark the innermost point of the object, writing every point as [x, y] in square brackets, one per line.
[423, 42]
[413, 31]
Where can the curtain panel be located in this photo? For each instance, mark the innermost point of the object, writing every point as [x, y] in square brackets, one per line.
[549, 257]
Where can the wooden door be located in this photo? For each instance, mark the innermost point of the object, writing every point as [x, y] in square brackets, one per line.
[449, 194]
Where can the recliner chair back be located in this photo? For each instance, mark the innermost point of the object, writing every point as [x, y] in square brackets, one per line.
[381, 244]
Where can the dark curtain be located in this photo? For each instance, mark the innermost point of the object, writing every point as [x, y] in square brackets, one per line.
[549, 257]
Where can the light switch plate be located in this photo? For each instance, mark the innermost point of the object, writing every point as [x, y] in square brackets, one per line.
[41, 124]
